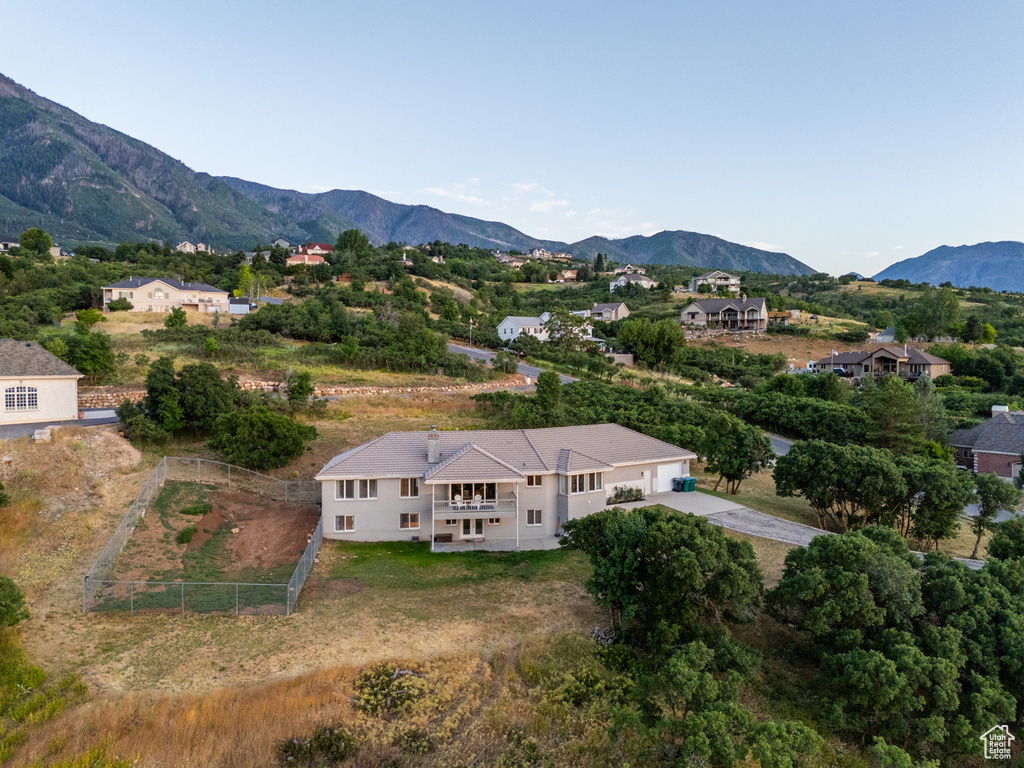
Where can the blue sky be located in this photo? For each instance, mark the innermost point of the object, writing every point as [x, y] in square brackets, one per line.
[847, 134]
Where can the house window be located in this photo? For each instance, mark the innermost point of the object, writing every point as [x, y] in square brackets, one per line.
[533, 516]
[494, 521]
[409, 520]
[367, 489]
[563, 485]
[410, 488]
[533, 481]
[21, 399]
[344, 523]
[589, 481]
[345, 489]
[451, 522]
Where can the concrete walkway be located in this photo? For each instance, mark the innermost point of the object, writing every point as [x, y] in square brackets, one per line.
[736, 517]
[93, 417]
[499, 545]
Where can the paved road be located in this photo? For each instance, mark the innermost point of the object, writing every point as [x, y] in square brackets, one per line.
[736, 517]
[93, 417]
[780, 445]
[488, 355]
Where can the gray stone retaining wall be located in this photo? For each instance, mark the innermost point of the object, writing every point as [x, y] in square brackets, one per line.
[111, 397]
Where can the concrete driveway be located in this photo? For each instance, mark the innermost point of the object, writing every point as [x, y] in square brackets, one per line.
[93, 417]
[487, 355]
[736, 517]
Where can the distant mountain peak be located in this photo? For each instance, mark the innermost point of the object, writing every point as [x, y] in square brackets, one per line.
[995, 265]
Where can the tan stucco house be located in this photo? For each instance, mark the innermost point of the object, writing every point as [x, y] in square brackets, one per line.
[609, 313]
[907, 362]
[488, 488]
[35, 384]
[716, 279]
[740, 314]
[161, 294]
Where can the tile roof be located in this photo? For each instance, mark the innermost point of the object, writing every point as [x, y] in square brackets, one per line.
[593, 447]
[522, 320]
[1003, 433]
[472, 464]
[26, 358]
[912, 356]
[139, 282]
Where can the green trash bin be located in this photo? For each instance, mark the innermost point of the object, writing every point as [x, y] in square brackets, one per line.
[689, 484]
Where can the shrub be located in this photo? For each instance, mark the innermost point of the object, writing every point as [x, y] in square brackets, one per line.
[197, 509]
[386, 687]
[12, 603]
[327, 745]
[177, 318]
[626, 494]
[257, 438]
[185, 534]
[120, 305]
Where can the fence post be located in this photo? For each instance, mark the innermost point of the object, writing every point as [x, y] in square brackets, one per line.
[199, 471]
[229, 475]
[131, 593]
[236, 599]
[182, 598]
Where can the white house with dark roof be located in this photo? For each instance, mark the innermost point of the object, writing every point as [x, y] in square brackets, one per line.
[513, 326]
[716, 279]
[161, 294]
[35, 384]
[632, 279]
[488, 488]
[740, 314]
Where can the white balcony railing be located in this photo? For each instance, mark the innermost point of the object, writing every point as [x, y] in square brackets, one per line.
[482, 506]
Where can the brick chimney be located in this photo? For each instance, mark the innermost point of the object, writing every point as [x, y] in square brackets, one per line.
[433, 446]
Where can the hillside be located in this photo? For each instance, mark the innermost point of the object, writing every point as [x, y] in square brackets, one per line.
[999, 266]
[85, 182]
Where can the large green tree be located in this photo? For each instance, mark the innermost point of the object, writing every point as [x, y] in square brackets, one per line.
[12, 604]
[848, 486]
[994, 495]
[258, 438]
[734, 450]
[894, 411]
[653, 567]
[36, 241]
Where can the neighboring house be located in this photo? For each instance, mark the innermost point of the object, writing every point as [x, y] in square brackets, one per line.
[6, 243]
[568, 275]
[716, 279]
[629, 269]
[185, 247]
[238, 306]
[316, 249]
[888, 336]
[740, 314]
[203, 248]
[994, 446]
[609, 313]
[37, 385]
[282, 243]
[626, 279]
[512, 326]
[437, 259]
[778, 318]
[902, 361]
[161, 294]
[491, 486]
[303, 258]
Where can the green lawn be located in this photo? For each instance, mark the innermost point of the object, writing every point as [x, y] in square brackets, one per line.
[402, 565]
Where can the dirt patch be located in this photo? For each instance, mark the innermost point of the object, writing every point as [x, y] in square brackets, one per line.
[269, 533]
[252, 533]
[346, 587]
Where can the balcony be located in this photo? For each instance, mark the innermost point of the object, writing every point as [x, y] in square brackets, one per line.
[483, 508]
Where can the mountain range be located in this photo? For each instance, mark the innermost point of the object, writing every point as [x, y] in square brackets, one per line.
[999, 266]
[86, 183]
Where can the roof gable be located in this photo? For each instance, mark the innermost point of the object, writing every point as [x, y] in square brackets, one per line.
[27, 358]
[472, 464]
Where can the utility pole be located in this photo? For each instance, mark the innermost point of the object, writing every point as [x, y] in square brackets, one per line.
[471, 331]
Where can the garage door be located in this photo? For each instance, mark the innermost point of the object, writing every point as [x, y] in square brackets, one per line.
[665, 474]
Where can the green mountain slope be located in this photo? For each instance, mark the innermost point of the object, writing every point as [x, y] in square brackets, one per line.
[999, 266]
[85, 182]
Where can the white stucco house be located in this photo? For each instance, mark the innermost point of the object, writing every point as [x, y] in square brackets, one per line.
[161, 294]
[632, 279]
[512, 326]
[36, 384]
[488, 488]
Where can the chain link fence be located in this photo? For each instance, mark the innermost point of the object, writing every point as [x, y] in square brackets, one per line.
[101, 591]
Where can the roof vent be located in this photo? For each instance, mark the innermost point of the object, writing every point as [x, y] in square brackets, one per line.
[433, 446]
[1000, 409]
